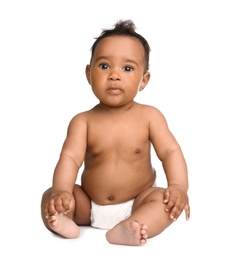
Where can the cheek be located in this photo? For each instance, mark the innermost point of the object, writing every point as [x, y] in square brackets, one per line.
[98, 77]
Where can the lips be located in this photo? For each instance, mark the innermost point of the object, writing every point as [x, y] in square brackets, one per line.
[114, 91]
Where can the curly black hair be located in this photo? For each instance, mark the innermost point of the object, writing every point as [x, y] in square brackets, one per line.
[126, 28]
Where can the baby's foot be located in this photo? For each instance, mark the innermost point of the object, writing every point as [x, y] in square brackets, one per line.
[63, 225]
[129, 233]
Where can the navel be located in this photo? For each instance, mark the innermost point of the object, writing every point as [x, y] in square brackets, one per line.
[137, 150]
[111, 198]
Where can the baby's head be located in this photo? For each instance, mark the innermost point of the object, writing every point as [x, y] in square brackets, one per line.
[124, 28]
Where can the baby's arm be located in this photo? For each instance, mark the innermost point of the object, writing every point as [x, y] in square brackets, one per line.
[174, 164]
[66, 170]
[175, 196]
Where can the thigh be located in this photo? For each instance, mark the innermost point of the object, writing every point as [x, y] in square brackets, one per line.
[82, 211]
[147, 195]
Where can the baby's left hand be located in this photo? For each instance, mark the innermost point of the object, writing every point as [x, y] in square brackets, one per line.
[176, 200]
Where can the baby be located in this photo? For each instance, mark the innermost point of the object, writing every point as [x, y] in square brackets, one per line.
[113, 142]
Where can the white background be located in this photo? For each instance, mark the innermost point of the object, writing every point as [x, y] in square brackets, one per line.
[44, 48]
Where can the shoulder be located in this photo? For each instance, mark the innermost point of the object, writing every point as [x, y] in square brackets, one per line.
[154, 117]
[79, 118]
[79, 121]
[150, 112]
[83, 116]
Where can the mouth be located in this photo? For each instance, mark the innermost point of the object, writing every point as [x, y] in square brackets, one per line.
[114, 91]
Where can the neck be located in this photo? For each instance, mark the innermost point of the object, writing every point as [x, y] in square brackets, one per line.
[117, 109]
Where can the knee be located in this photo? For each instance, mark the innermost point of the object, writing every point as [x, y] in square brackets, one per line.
[148, 195]
[156, 194]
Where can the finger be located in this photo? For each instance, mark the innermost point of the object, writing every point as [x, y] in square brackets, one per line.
[171, 203]
[59, 206]
[46, 211]
[51, 207]
[66, 204]
[176, 210]
[166, 196]
[187, 211]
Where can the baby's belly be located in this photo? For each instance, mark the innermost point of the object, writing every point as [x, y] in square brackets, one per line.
[112, 188]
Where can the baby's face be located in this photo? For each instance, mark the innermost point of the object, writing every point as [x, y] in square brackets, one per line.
[116, 72]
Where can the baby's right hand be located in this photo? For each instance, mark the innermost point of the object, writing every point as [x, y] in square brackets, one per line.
[59, 202]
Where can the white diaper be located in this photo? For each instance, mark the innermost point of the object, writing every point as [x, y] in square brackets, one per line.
[107, 216]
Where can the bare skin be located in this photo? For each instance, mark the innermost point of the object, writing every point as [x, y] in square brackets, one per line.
[129, 233]
[63, 225]
[113, 140]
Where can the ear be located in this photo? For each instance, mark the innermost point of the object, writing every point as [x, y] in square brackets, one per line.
[87, 71]
[145, 81]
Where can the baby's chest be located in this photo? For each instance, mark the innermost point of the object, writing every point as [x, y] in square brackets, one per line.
[117, 135]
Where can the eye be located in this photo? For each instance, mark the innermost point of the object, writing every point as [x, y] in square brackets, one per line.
[128, 68]
[104, 66]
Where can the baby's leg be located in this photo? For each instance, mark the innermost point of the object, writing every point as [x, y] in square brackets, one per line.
[129, 233]
[148, 219]
[67, 225]
[63, 225]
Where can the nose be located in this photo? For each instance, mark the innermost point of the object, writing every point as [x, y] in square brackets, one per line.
[114, 74]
